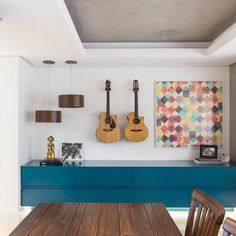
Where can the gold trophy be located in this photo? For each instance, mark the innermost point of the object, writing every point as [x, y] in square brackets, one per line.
[51, 146]
[51, 159]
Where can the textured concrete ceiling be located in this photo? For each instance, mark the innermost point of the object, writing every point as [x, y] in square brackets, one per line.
[151, 20]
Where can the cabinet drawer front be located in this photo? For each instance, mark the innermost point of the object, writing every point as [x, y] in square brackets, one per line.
[227, 197]
[105, 176]
[49, 176]
[165, 176]
[218, 176]
[105, 195]
[169, 197]
[31, 197]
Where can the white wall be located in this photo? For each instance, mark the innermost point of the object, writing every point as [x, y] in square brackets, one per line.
[25, 116]
[9, 132]
[15, 88]
[79, 125]
[26, 77]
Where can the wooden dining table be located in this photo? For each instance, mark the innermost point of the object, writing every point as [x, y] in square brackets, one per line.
[98, 219]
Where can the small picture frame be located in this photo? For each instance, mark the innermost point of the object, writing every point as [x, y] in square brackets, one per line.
[208, 151]
[72, 151]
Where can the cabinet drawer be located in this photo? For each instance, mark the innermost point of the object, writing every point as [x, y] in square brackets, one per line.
[105, 176]
[31, 197]
[164, 176]
[49, 176]
[218, 176]
[105, 195]
[227, 197]
[169, 197]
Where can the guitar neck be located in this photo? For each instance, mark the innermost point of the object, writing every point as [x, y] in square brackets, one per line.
[136, 116]
[108, 104]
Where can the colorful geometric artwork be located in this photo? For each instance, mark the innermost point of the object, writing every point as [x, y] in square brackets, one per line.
[189, 113]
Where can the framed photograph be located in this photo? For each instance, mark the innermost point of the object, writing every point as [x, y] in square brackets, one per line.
[72, 151]
[208, 151]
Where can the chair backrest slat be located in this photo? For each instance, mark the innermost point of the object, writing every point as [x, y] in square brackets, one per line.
[207, 220]
[205, 215]
[229, 227]
[202, 222]
[190, 220]
[209, 226]
[196, 221]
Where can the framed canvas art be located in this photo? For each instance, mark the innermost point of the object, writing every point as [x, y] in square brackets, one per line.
[189, 113]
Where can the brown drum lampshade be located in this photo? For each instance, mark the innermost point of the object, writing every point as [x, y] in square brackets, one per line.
[48, 116]
[71, 101]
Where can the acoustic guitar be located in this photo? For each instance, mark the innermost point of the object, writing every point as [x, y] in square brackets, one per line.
[136, 130]
[108, 130]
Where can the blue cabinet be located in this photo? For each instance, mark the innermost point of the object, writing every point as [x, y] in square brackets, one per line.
[105, 176]
[217, 176]
[33, 196]
[110, 194]
[219, 182]
[160, 176]
[51, 176]
[227, 197]
[168, 185]
[168, 182]
[105, 184]
[170, 197]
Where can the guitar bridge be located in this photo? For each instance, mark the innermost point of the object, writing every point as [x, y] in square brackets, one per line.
[107, 130]
[136, 130]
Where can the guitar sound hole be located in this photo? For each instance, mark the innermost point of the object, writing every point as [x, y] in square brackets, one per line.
[108, 120]
[136, 121]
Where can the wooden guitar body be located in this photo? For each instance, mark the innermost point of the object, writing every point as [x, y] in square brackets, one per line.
[107, 133]
[136, 132]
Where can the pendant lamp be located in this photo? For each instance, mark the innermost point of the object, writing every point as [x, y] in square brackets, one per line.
[48, 115]
[71, 100]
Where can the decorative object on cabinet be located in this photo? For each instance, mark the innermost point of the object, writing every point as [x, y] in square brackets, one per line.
[71, 100]
[224, 157]
[55, 162]
[189, 113]
[48, 116]
[108, 130]
[51, 147]
[136, 130]
[208, 155]
[72, 151]
[51, 159]
[208, 151]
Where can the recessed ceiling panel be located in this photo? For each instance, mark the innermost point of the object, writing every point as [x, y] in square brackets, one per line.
[151, 20]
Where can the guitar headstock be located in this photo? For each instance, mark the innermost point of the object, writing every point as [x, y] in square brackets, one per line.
[135, 85]
[108, 85]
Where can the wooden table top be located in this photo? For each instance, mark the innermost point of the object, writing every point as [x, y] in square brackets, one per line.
[95, 219]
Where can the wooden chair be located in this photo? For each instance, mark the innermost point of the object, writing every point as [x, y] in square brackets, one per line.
[205, 215]
[229, 227]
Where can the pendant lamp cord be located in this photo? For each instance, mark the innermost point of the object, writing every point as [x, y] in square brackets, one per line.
[71, 78]
[48, 86]
[77, 83]
[45, 101]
